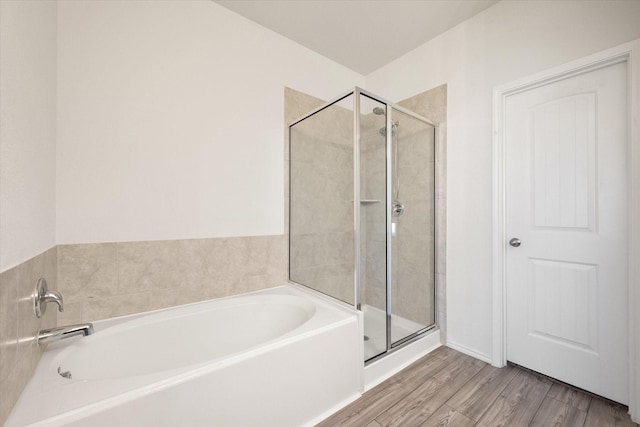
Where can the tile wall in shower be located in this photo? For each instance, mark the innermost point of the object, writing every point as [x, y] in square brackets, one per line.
[432, 104]
[322, 236]
[19, 353]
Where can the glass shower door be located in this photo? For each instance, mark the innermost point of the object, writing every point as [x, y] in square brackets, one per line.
[373, 217]
[321, 214]
[412, 193]
[362, 214]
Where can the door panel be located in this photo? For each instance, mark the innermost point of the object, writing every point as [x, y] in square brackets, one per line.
[412, 223]
[563, 302]
[563, 139]
[566, 201]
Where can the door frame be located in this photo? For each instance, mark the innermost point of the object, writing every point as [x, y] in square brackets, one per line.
[628, 53]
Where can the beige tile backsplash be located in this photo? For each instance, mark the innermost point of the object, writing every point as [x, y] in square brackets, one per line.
[19, 353]
[104, 280]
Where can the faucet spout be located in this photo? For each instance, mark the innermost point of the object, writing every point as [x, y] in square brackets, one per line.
[46, 336]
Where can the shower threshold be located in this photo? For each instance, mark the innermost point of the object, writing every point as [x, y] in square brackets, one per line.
[375, 341]
[379, 368]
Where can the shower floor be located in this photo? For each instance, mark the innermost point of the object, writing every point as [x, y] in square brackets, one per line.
[376, 331]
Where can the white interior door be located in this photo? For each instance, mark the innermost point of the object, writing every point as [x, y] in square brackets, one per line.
[566, 145]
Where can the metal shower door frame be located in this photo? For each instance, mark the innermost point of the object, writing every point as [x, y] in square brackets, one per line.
[390, 107]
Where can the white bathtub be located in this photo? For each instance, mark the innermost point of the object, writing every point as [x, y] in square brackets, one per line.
[279, 357]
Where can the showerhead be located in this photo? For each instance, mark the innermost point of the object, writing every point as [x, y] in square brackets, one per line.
[394, 126]
[379, 111]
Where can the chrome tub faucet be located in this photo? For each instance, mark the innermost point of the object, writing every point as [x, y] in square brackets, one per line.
[47, 336]
[41, 297]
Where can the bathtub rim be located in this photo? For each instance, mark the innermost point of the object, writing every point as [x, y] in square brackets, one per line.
[337, 304]
[66, 358]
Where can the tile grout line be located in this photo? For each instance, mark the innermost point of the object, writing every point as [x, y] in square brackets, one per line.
[586, 411]
[454, 409]
[438, 408]
[496, 398]
[588, 408]
[468, 381]
[444, 403]
[408, 393]
[405, 395]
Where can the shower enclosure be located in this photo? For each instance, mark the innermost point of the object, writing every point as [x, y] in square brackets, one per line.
[362, 214]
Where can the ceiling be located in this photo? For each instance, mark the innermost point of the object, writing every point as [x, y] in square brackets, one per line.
[362, 35]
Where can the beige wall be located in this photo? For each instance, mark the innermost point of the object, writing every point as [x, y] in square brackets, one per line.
[296, 105]
[19, 353]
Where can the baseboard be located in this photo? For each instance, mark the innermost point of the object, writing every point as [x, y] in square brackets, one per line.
[469, 352]
[326, 414]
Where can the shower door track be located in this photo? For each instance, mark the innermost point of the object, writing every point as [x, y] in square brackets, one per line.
[401, 344]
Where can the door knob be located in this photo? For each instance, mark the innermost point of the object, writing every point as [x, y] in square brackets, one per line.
[515, 242]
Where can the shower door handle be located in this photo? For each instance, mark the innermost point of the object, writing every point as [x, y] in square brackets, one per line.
[515, 242]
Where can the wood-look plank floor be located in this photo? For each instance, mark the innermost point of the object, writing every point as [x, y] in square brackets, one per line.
[448, 388]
